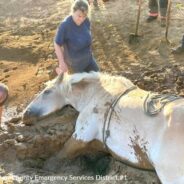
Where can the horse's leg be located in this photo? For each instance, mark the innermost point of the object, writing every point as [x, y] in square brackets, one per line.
[72, 148]
[85, 131]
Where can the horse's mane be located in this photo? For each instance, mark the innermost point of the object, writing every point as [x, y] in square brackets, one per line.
[104, 78]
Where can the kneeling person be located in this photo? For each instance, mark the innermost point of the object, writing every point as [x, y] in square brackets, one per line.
[73, 41]
[3, 97]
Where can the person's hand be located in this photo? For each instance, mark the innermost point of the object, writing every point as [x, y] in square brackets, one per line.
[61, 69]
[91, 1]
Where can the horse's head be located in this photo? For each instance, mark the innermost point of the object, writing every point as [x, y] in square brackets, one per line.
[49, 100]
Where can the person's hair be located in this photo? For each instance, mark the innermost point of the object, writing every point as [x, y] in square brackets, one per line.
[81, 5]
[5, 90]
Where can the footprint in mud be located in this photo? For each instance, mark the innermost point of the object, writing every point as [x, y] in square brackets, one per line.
[7, 76]
[6, 70]
[4, 81]
[14, 68]
[24, 86]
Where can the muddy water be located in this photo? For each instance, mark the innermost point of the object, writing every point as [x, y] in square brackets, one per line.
[11, 114]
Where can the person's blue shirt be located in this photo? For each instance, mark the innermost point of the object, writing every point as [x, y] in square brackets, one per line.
[76, 41]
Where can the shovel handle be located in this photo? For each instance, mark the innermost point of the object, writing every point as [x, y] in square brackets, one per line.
[138, 17]
[168, 19]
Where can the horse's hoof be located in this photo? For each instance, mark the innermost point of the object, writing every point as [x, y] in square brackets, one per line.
[52, 164]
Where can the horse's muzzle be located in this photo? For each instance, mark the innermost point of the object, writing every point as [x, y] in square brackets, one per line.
[30, 115]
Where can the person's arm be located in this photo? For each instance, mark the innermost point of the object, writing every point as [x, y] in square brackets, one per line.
[59, 41]
[60, 55]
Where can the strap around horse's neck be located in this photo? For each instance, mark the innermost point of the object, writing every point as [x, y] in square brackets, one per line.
[106, 133]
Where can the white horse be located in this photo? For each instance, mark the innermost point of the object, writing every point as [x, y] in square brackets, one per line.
[129, 134]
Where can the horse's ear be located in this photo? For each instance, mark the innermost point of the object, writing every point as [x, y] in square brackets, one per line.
[59, 79]
[82, 78]
[77, 79]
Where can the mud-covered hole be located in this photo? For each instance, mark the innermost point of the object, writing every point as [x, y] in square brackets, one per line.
[89, 164]
[32, 145]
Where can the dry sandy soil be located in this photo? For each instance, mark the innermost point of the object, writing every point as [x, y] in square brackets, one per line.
[27, 60]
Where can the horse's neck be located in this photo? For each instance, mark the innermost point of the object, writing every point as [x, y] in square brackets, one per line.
[92, 90]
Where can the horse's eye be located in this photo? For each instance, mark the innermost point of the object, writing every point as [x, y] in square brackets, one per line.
[46, 92]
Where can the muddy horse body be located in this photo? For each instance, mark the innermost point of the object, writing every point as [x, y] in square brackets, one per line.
[146, 142]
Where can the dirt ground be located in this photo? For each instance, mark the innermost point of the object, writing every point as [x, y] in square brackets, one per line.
[27, 60]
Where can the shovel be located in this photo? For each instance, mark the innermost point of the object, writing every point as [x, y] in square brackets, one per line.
[134, 37]
[168, 21]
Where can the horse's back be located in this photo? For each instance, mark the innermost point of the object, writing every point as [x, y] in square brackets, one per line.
[174, 112]
[169, 161]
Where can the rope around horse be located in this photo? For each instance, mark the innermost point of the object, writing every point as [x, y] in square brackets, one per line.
[106, 133]
[149, 107]
[152, 100]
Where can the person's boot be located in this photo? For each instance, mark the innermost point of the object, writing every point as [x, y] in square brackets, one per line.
[180, 49]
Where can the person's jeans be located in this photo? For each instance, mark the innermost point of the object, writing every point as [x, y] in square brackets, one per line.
[92, 67]
[153, 6]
